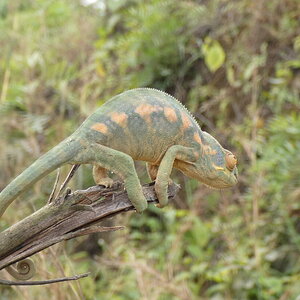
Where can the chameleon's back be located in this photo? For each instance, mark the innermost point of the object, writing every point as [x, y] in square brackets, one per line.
[142, 122]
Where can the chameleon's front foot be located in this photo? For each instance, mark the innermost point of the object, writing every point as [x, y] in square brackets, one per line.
[161, 189]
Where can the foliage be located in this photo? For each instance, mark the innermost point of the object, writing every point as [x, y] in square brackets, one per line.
[214, 55]
[235, 64]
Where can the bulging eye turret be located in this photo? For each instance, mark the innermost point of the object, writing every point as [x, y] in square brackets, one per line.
[231, 161]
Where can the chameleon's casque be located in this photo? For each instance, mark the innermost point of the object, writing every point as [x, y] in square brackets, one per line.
[141, 124]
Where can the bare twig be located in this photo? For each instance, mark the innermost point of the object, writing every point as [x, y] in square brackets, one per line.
[68, 178]
[54, 187]
[43, 282]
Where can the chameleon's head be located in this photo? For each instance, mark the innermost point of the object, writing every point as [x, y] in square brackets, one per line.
[216, 166]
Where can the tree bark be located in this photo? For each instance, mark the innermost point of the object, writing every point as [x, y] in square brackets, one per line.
[71, 215]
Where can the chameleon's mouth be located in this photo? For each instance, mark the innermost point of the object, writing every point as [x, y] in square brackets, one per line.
[227, 179]
[222, 180]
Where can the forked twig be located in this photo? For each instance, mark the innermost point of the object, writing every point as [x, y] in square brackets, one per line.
[51, 197]
[68, 178]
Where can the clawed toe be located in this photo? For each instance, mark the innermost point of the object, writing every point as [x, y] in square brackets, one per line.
[106, 182]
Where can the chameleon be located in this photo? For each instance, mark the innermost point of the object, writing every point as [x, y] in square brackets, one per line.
[142, 124]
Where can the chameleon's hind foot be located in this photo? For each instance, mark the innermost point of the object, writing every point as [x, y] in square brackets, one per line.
[100, 176]
[107, 182]
[121, 164]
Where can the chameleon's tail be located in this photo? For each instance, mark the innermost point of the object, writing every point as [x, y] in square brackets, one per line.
[57, 156]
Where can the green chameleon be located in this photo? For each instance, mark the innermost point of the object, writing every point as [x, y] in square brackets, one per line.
[140, 124]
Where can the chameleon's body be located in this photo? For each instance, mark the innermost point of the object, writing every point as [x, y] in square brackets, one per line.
[141, 124]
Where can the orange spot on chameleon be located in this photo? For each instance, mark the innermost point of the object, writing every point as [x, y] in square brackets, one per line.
[145, 111]
[170, 114]
[119, 118]
[186, 121]
[197, 138]
[206, 149]
[100, 127]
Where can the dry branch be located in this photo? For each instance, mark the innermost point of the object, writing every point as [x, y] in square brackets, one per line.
[69, 216]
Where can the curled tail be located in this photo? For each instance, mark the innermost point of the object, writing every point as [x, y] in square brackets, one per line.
[57, 156]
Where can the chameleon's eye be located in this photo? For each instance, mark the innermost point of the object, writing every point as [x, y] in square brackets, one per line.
[231, 161]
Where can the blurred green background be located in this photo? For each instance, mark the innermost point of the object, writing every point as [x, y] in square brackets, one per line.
[236, 66]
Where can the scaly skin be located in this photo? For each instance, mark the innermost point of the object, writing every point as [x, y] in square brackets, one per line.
[141, 124]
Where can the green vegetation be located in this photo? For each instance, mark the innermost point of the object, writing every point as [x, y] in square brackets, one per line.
[236, 66]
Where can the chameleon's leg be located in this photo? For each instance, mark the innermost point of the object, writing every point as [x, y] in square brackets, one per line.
[152, 171]
[121, 164]
[100, 176]
[177, 152]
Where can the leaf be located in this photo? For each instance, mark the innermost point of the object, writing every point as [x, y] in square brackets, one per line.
[214, 55]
